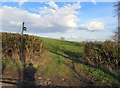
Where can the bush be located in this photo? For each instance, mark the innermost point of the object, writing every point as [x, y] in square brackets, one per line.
[32, 45]
[102, 53]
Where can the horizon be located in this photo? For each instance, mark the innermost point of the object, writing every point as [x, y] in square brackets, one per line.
[75, 21]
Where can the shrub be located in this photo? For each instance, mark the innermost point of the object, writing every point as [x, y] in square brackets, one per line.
[32, 45]
[102, 53]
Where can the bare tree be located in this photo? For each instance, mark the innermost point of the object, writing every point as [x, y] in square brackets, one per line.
[62, 38]
[116, 36]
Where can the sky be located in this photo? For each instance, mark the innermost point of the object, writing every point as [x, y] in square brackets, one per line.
[75, 21]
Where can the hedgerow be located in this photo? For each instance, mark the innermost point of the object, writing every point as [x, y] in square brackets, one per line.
[104, 54]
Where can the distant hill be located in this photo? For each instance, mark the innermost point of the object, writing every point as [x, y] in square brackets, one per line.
[58, 62]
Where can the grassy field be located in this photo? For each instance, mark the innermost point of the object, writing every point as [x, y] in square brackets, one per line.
[65, 48]
[62, 65]
[64, 61]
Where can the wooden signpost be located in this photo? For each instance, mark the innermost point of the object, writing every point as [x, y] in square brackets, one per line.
[22, 52]
[22, 46]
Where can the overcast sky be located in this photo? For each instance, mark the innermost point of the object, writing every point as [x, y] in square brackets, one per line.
[76, 21]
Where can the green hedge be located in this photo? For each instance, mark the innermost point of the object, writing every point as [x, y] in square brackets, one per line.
[12, 41]
[102, 53]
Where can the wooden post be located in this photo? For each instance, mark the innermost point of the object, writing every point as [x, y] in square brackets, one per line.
[22, 28]
[22, 53]
[22, 46]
